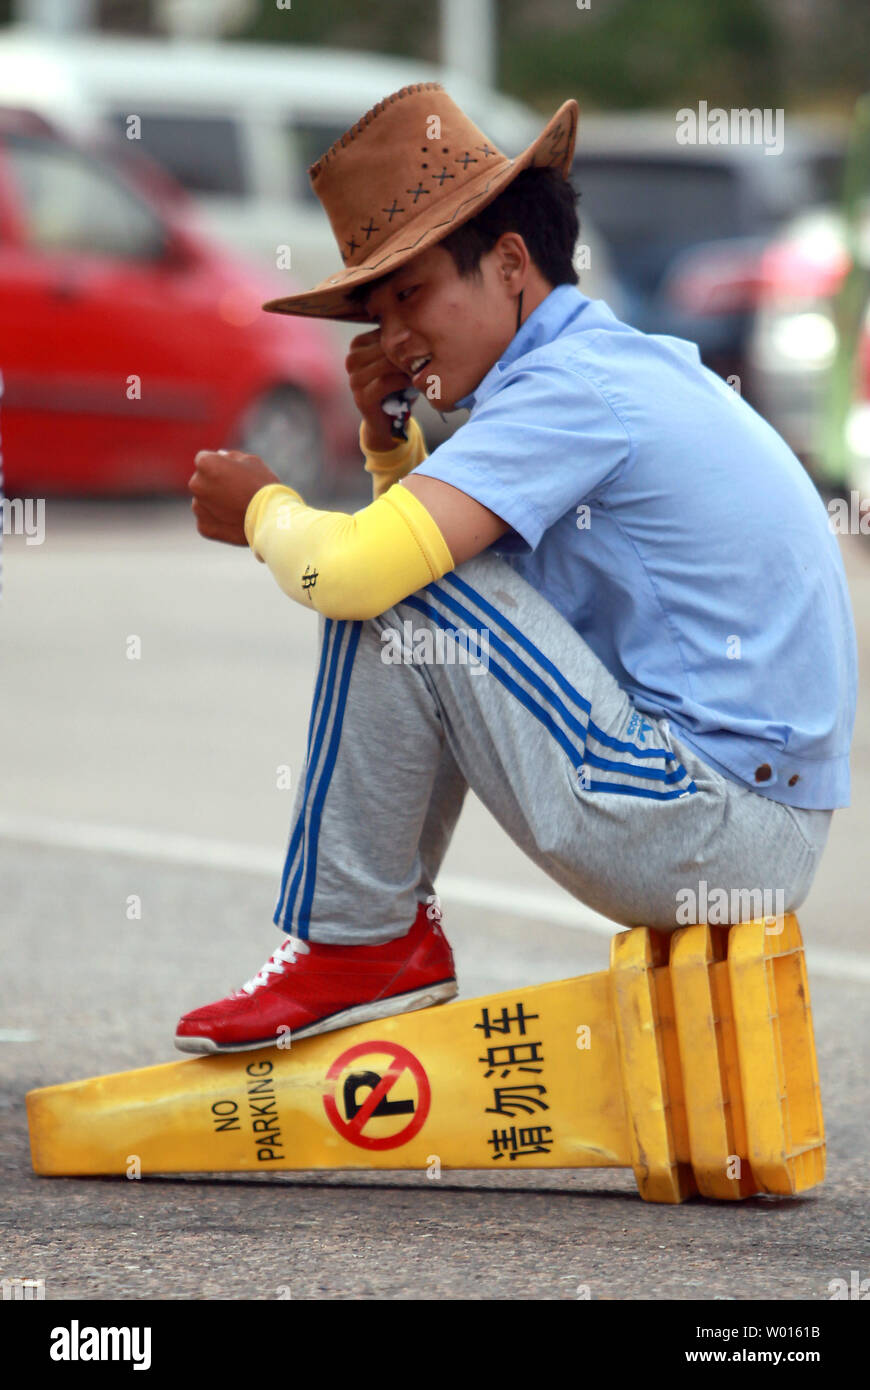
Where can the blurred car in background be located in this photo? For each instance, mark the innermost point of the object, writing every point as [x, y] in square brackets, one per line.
[130, 340]
[806, 352]
[238, 125]
[687, 225]
[793, 342]
[857, 429]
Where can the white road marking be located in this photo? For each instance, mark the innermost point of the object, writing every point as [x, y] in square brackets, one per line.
[533, 903]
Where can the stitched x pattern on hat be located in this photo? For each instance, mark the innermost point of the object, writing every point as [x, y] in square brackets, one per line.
[409, 172]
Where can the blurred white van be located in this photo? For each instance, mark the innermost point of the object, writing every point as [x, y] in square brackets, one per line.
[238, 125]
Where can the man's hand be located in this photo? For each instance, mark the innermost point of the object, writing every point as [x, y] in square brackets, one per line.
[372, 376]
[222, 485]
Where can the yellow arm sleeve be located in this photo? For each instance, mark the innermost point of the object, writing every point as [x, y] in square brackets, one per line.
[346, 566]
[387, 466]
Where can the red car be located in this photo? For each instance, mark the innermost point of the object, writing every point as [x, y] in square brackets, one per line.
[129, 340]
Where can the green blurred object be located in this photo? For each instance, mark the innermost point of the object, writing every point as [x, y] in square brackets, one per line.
[850, 304]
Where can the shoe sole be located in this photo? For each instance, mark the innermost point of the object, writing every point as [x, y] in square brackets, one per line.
[361, 1013]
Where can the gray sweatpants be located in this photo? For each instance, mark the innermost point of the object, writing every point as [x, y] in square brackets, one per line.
[478, 681]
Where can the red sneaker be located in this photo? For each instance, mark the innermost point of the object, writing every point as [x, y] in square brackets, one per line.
[310, 988]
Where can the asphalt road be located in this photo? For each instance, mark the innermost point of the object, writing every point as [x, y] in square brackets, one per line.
[158, 777]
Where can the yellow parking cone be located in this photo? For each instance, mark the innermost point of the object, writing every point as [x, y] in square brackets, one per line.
[691, 1060]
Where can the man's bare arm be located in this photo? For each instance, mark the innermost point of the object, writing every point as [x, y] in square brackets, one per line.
[467, 526]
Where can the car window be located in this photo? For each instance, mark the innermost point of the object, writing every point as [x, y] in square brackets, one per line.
[675, 202]
[827, 173]
[309, 140]
[204, 153]
[73, 203]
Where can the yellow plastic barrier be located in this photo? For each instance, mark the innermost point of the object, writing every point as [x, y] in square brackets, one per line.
[691, 1060]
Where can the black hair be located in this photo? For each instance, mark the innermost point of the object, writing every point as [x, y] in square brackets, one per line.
[538, 204]
[542, 207]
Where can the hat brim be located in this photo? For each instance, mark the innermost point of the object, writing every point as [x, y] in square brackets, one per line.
[553, 148]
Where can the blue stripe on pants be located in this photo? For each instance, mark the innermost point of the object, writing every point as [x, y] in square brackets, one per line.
[541, 713]
[522, 640]
[303, 844]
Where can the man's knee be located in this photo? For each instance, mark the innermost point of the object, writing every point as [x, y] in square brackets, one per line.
[428, 636]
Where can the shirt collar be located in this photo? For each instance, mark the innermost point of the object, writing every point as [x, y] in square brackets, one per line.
[543, 325]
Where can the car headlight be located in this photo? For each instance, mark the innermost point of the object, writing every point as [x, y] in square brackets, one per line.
[858, 431]
[809, 338]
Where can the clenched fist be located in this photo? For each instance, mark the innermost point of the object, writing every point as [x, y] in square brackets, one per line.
[223, 484]
[372, 376]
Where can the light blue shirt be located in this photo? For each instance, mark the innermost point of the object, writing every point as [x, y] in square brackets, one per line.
[704, 574]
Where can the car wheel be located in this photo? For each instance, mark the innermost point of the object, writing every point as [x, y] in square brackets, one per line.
[283, 429]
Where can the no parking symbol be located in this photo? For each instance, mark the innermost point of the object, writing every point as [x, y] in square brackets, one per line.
[376, 1106]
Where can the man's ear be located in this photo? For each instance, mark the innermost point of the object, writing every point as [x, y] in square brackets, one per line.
[513, 254]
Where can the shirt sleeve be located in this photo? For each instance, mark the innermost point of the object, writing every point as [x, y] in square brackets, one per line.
[543, 442]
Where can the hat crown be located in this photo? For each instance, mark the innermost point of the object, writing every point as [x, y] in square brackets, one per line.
[410, 171]
[414, 150]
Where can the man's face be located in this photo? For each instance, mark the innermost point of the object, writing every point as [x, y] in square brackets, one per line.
[426, 310]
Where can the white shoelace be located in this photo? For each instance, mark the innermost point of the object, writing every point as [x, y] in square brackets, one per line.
[285, 955]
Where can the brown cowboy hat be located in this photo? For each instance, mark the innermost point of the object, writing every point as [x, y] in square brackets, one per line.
[391, 187]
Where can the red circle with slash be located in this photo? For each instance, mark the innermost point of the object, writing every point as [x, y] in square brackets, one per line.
[403, 1060]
